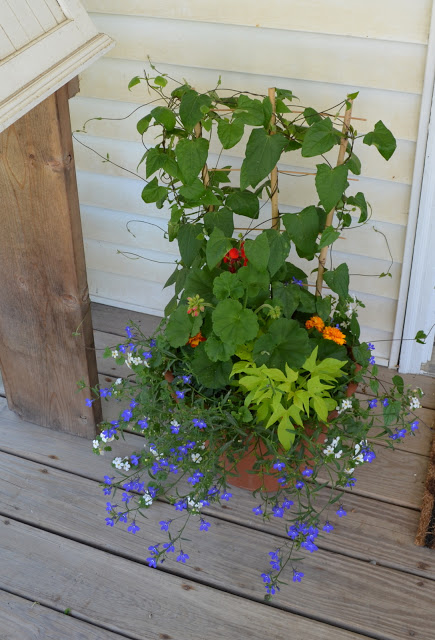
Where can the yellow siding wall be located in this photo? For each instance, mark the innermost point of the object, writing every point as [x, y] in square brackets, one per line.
[322, 50]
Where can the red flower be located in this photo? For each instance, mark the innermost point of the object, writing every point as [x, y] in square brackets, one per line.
[235, 258]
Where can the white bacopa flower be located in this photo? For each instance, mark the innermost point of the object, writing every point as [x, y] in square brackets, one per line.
[357, 449]
[335, 442]
[95, 444]
[338, 454]
[126, 466]
[118, 463]
[202, 446]
[118, 381]
[194, 505]
[359, 459]
[115, 353]
[174, 423]
[147, 499]
[415, 403]
[328, 450]
[196, 457]
[349, 470]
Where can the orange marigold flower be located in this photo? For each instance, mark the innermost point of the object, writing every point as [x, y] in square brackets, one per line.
[332, 333]
[315, 323]
[195, 340]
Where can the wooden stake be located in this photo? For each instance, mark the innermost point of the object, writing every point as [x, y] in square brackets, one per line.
[274, 173]
[329, 218]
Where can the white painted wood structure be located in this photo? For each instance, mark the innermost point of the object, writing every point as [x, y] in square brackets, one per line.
[322, 50]
[43, 45]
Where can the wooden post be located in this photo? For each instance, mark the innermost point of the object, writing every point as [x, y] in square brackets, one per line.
[274, 173]
[43, 293]
[329, 218]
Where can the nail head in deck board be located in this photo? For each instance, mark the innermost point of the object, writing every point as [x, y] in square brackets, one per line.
[44, 295]
[136, 600]
[25, 620]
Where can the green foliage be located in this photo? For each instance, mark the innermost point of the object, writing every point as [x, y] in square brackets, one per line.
[153, 192]
[359, 201]
[233, 324]
[230, 133]
[258, 252]
[190, 242]
[382, 139]
[263, 151]
[228, 285]
[285, 342]
[303, 228]
[320, 138]
[191, 108]
[191, 157]
[165, 117]
[287, 397]
[243, 203]
[217, 246]
[338, 280]
[331, 184]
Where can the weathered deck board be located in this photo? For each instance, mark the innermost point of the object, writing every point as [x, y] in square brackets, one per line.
[26, 620]
[396, 476]
[129, 598]
[372, 532]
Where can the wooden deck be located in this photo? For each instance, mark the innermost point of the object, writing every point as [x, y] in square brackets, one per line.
[368, 579]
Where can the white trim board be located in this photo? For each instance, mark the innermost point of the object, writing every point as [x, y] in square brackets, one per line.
[414, 293]
[35, 67]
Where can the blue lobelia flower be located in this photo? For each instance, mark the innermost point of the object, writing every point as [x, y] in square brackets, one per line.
[182, 557]
[341, 511]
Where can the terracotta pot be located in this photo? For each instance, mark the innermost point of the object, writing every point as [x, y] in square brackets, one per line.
[254, 481]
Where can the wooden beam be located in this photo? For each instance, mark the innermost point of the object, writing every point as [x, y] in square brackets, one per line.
[44, 296]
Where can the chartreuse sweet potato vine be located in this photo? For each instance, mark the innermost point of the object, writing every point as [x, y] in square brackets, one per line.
[246, 353]
[282, 399]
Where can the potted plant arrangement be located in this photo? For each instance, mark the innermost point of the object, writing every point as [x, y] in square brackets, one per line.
[251, 377]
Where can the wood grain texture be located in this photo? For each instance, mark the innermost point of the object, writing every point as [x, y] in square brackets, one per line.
[55, 501]
[25, 620]
[44, 295]
[114, 320]
[335, 17]
[147, 602]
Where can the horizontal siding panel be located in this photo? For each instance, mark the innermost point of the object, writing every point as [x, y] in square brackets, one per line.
[107, 225]
[389, 200]
[389, 19]
[398, 168]
[108, 79]
[335, 59]
[128, 293]
[157, 266]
